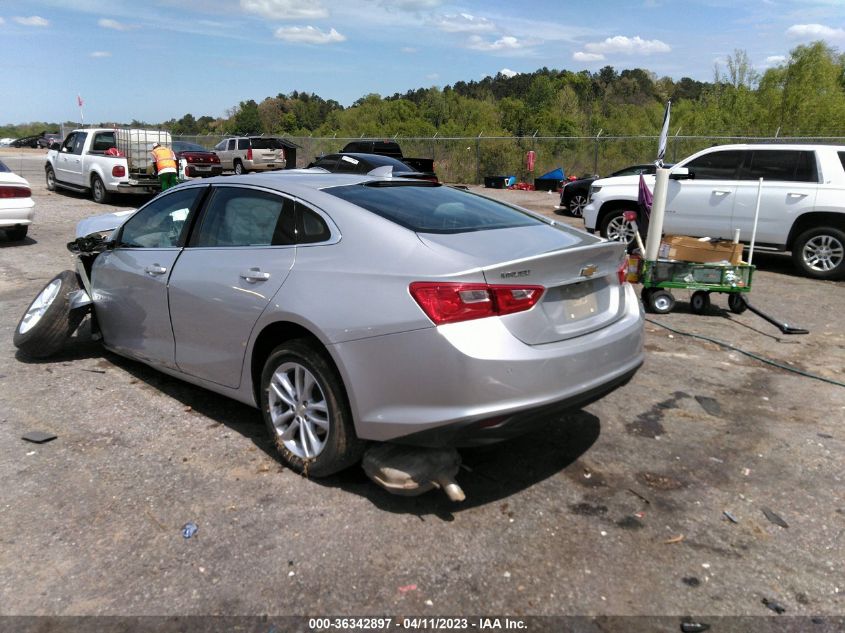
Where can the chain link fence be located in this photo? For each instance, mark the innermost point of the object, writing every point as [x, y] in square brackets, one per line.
[471, 159]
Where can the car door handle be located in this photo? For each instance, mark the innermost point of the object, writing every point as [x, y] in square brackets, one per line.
[254, 275]
[793, 194]
[721, 193]
[155, 269]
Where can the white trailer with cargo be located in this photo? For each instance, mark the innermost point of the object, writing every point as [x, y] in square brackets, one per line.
[105, 161]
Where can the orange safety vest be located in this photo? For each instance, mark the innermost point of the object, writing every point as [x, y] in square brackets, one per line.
[164, 158]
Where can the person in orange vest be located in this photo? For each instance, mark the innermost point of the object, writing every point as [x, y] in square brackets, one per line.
[165, 161]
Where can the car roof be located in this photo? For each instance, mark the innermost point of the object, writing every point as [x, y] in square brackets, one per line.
[374, 159]
[300, 181]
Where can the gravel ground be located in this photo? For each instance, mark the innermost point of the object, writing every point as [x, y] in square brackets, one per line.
[620, 509]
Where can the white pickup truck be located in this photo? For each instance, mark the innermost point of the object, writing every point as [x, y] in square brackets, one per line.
[714, 193]
[105, 161]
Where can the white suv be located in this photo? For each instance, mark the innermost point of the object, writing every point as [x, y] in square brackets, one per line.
[714, 192]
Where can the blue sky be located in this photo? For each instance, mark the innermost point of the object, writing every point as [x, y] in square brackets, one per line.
[161, 59]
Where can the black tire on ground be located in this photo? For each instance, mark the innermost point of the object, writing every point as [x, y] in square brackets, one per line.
[48, 321]
[50, 176]
[18, 233]
[306, 410]
[660, 301]
[645, 293]
[736, 303]
[99, 193]
[239, 168]
[613, 227]
[699, 302]
[820, 253]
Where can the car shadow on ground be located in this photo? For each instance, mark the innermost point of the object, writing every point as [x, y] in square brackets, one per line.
[124, 201]
[5, 242]
[488, 475]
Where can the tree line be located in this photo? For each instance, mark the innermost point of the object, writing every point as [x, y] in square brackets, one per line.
[803, 96]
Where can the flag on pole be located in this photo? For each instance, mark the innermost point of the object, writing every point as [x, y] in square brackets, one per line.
[79, 101]
[664, 135]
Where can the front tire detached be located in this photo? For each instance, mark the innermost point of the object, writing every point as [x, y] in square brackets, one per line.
[49, 321]
[820, 253]
[306, 411]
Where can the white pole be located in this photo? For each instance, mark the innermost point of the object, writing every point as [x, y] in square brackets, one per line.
[756, 217]
[658, 208]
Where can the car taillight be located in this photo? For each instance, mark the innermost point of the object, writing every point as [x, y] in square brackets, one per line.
[15, 192]
[622, 270]
[118, 171]
[249, 154]
[448, 302]
[214, 158]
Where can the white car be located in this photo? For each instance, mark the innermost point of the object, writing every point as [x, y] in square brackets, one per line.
[714, 192]
[16, 204]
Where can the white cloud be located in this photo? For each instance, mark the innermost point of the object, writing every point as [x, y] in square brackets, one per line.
[507, 72]
[774, 60]
[107, 23]
[286, 9]
[2, 21]
[432, 76]
[628, 46]
[581, 56]
[506, 43]
[308, 35]
[410, 49]
[412, 5]
[101, 54]
[463, 23]
[815, 31]
[34, 20]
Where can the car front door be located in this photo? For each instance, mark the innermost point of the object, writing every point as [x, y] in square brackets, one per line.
[702, 206]
[237, 259]
[225, 152]
[69, 159]
[790, 183]
[130, 280]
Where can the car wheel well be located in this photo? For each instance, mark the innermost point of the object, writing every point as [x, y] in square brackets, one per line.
[615, 205]
[814, 220]
[270, 338]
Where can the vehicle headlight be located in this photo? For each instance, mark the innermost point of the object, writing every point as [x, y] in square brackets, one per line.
[593, 190]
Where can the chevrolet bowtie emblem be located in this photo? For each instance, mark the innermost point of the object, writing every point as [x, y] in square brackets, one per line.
[589, 270]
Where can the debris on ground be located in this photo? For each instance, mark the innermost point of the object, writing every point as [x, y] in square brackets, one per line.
[674, 539]
[407, 588]
[38, 437]
[774, 517]
[689, 626]
[710, 405]
[774, 605]
[189, 529]
[411, 470]
[94, 371]
[730, 517]
[691, 581]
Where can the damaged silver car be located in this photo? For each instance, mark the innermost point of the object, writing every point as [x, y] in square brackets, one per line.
[354, 308]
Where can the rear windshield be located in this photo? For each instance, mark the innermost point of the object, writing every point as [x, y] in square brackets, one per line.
[266, 143]
[3, 166]
[433, 208]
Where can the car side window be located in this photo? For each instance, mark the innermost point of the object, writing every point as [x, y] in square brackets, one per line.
[329, 163]
[67, 146]
[311, 227]
[231, 144]
[78, 142]
[103, 141]
[717, 165]
[243, 143]
[246, 217]
[348, 165]
[220, 146]
[783, 165]
[160, 223]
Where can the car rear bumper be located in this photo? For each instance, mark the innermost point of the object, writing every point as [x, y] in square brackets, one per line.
[474, 382]
[203, 171]
[252, 165]
[18, 215]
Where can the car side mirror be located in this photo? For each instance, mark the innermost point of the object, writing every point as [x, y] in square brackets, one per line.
[681, 173]
[55, 145]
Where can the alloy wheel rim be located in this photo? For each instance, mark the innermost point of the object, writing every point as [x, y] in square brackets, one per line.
[576, 207]
[619, 230]
[38, 307]
[823, 253]
[298, 410]
[661, 303]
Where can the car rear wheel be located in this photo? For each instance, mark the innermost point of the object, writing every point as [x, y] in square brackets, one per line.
[50, 176]
[49, 321]
[820, 253]
[99, 193]
[615, 228]
[577, 204]
[239, 168]
[17, 234]
[306, 411]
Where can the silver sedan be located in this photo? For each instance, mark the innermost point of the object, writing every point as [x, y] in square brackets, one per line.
[356, 308]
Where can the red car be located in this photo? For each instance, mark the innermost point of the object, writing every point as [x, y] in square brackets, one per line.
[195, 161]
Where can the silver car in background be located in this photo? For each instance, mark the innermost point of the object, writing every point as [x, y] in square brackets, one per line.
[355, 308]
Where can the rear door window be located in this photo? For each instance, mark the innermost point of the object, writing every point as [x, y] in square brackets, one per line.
[432, 208]
[238, 216]
[243, 143]
[717, 165]
[782, 165]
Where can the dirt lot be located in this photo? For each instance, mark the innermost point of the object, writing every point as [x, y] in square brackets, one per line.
[621, 509]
